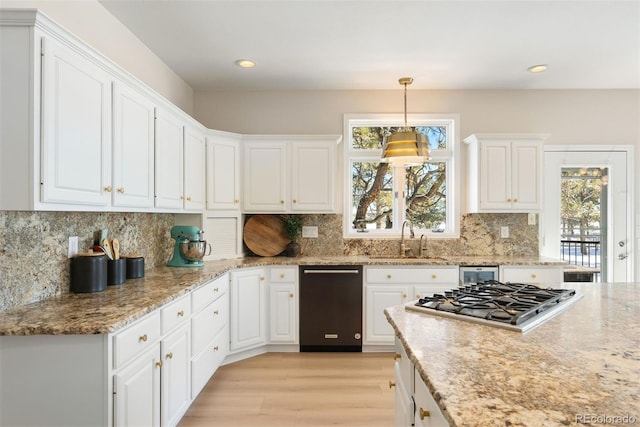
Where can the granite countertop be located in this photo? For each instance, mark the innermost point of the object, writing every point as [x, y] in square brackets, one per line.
[117, 306]
[579, 367]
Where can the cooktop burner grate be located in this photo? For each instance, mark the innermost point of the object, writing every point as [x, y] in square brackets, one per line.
[518, 306]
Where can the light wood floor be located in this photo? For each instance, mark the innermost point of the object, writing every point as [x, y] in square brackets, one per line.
[298, 389]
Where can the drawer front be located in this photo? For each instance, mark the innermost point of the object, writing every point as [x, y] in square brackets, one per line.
[205, 363]
[175, 314]
[448, 274]
[283, 274]
[428, 412]
[135, 339]
[532, 275]
[205, 295]
[206, 324]
[403, 365]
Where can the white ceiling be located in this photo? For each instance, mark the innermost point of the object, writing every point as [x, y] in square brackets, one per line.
[361, 44]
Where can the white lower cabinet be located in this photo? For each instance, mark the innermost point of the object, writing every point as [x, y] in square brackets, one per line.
[248, 309]
[175, 374]
[137, 391]
[283, 305]
[547, 274]
[414, 405]
[389, 286]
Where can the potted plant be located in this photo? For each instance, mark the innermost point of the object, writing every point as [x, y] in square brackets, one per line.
[293, 230]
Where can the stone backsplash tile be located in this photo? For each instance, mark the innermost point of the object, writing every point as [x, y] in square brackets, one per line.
[33, 247]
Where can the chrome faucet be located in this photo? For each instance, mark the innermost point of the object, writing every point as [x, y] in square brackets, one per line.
[423, 246]
[403, 247]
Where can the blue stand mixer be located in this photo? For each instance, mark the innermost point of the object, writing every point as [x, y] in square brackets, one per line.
[190, 248]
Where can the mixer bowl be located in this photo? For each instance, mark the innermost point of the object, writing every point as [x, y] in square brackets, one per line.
[194, 251]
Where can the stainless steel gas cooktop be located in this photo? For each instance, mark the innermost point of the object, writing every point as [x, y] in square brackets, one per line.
[514, 306]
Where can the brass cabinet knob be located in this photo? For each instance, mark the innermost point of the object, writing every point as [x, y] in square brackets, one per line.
[169, 355]
[188, 198]
[391, 384]
[533, 276]
[215, 348]
[107, 189]
[282, 276]
[215, 313]
[261, 278]
[424, 414]
[418, 296]
[388, 276]
[397, 356]
[236, 201]
[181, 313]
[282, 202]
[159, 363]
[143, 338]
[290, 295]
[404, 296]
[295, 201]
[120, 190]
[216, 290]
[181, 197]
[434, 276]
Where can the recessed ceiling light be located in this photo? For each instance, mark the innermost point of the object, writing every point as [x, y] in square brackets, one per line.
[245, 63]
[537, 68]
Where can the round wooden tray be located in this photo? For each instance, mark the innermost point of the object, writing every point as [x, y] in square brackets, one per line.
[265, 235]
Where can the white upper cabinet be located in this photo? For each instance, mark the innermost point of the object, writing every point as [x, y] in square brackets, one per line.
[169, 160]
[76, 126]
[289, 174]
[194, 196]
[133, 148]
[505, 172]
[223, 171]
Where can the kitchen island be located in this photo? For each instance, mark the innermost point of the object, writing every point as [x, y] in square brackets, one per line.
[580, 367]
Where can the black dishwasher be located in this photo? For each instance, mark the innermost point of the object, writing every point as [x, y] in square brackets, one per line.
[330, 308]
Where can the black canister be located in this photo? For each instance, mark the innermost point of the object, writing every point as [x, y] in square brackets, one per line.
[116, 271]
[135, 267]
[88, 273]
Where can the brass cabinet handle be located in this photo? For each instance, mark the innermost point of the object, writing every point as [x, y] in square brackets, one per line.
[215, 313]
[169, 355]
[159, 363]
[107, 189]
[181, 313]
[143, 338]
[397, 356]
[391, 384]
[215, 348]
[120, 190]
[424, 414]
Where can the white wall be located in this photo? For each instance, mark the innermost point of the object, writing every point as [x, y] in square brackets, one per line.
[92, 23]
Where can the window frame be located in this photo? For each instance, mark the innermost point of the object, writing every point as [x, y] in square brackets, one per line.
[450, 156]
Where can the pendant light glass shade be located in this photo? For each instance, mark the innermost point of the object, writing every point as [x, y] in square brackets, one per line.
[406, 147]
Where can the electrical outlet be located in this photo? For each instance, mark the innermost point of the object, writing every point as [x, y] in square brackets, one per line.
[310, 231]
[73, 246]
[531, 219]
[504, 232]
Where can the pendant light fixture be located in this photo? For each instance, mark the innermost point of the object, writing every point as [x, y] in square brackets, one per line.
[406, 147]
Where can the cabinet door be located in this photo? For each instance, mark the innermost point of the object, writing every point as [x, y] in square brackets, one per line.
[427, 411]
[265, 177]
[403, 403]
[76, 120]
[248, 309]
[137, 391]
[282, 313]
[133, 148]
[176, 375]
[525, 173]
[169, 161]
[313, 176]
[377, 298]
[223, 173]
[194, 171]
[495, 179]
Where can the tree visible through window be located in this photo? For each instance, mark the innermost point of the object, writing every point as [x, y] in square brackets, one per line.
[383, 196]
